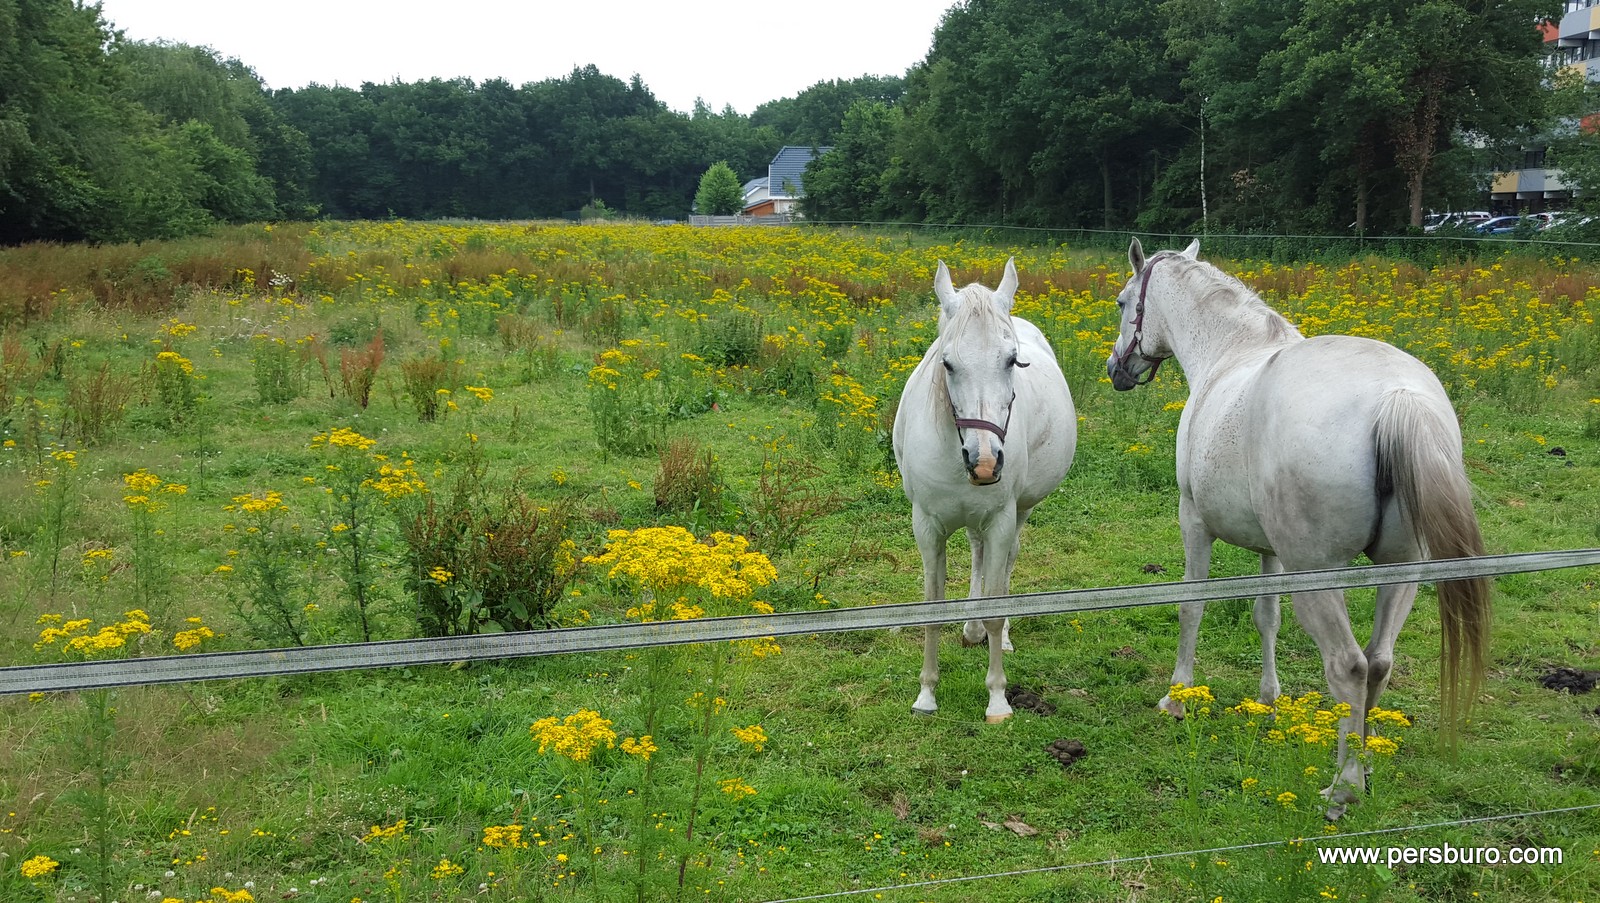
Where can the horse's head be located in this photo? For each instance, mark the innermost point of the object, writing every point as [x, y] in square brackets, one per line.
[1142, 342]
[978, 357]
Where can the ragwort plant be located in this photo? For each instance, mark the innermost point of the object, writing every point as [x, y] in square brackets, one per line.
[359, 485]
[625, 404]
[265, 570]
[1277, 756]
[76, 640]
[667, 574]
[151, 571]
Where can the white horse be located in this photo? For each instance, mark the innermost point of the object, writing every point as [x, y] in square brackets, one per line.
[1308, 452]
[984, 432]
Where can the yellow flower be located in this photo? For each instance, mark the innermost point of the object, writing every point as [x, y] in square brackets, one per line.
[577, 736]
[39, 867]
[392, 832]
[752, 735]
[1187, 695]
[736, 788]
[440, 576]
[141, 482]
[1388, 716]
[343, 437]
[504, 837]
[188, 639]
[446, 869]
[1382, 746]
[641, 747]
[1286, 799]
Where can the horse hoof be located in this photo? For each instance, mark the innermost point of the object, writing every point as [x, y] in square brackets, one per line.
[997, 719]
[1167, 707]
[1007, 647]
[925, 713]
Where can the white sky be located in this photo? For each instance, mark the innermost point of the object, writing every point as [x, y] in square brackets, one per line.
[739, 52]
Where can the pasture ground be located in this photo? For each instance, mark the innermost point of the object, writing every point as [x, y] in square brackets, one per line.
[296, 788]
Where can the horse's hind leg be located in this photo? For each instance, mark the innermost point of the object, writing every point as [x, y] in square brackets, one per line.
[973, 632]
[1267, 616]
[1394, 606]
[1197, 542]
[1324, 616]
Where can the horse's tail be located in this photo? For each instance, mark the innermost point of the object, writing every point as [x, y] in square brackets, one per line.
[1419, 456]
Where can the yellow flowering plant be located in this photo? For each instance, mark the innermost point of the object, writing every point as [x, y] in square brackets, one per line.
[263, 575]
[358, 484]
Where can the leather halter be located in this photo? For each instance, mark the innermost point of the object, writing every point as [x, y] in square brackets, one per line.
[1137, 345]
[978, 424]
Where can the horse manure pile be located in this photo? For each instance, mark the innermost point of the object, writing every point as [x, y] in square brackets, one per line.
[1569, 680]
[1029, 701]
[1066, 751]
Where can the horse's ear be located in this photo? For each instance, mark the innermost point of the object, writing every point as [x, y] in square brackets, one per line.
[1136, 255]
[1006, 294]
[1193, 251]
[944, 290]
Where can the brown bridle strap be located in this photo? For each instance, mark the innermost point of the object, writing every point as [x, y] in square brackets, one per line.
[977, 424]
[1137, 345]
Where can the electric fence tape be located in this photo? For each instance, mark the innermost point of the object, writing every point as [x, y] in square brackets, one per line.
[354, 656]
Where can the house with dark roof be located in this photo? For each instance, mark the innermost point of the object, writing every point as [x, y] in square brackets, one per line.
[784, 183]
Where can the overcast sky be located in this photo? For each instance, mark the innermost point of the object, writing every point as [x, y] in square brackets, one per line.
[735, 52]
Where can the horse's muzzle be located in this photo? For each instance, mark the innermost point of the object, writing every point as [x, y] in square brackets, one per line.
[986, 470]
[1123, 376]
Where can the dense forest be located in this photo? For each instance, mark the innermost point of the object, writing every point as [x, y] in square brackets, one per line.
[1308, 115]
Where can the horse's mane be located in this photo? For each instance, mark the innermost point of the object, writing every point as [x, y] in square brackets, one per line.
[1212, 286]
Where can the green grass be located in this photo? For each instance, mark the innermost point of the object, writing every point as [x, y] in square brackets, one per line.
[276, 781]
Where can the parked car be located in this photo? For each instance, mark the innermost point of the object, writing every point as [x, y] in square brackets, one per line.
[1501, 225]
[1567, 219]
[1462, 219]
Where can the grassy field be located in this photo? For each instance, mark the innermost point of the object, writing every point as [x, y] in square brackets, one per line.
[300, 435]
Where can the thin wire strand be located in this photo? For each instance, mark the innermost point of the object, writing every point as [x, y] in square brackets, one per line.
[1209, 851]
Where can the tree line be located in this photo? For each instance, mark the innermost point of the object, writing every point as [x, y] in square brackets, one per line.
[1244, 115]
[1155, 114]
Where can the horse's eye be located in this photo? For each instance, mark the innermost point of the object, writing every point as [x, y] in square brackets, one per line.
[947, 367]
[1012, 362]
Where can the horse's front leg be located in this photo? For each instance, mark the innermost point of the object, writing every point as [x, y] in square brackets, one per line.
[1268, 615]
[1197, 541]
[998, 554]
[931, 543]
